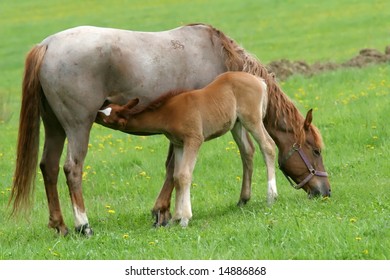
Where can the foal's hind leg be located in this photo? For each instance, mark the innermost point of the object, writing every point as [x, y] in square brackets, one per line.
[163, 203]
[54, 143]
[247, 150]
[73, 167]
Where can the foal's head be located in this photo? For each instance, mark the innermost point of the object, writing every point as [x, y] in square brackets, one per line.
[303, 161]
[116, 116]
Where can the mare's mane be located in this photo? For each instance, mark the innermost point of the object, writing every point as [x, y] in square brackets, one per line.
[281, 111]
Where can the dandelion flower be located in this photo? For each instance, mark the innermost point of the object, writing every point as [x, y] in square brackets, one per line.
[111, 211]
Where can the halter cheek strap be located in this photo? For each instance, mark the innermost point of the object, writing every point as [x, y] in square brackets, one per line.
[312, 171]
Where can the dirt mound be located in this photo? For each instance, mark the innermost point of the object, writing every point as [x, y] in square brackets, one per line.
[284, 68]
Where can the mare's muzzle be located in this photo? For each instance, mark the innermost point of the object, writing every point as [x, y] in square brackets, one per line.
[324, 190]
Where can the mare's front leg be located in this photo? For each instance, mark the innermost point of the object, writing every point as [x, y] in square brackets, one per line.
[73, 167]
[185, 159]
[246, 148]
[161, 209]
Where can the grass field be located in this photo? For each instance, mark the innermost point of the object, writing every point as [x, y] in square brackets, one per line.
[123, 174]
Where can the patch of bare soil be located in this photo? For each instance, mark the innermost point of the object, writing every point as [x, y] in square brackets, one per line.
[284, 68]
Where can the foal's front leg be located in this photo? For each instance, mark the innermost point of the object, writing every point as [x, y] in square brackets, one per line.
[185, 159]
[267, 146]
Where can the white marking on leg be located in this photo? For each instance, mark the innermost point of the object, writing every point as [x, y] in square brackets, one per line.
[106, 111]
[80, 218]
[187, 211]
[272, 191]
[178, 205]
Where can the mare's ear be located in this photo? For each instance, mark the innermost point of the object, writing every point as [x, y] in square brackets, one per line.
[308, 119]
[132, 103]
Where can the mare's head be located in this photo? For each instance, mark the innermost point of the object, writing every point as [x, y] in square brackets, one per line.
[302, 161]
[116, 116]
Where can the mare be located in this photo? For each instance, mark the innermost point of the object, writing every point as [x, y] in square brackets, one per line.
[70, 74]
[232, 101]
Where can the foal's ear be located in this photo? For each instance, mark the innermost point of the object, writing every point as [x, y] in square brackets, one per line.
[308, 119]
[132, 103]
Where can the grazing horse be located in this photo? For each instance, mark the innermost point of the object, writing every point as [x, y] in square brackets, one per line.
[232, 101]
[70, 74]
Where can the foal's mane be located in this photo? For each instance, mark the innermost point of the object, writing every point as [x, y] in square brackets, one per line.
[157, 103]
[280, 108]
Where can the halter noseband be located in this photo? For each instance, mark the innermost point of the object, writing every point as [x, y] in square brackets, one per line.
[312, 172]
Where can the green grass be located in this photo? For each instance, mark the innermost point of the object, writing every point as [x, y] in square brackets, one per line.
[123, 174]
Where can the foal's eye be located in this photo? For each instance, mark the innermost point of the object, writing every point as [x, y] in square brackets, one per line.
[317, 152]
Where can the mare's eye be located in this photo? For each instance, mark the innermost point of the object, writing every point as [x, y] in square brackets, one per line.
[317, 152]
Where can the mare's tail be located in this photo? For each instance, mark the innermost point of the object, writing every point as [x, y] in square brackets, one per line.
[28, 135]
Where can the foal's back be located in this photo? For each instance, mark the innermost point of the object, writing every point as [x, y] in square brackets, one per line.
[213, 110]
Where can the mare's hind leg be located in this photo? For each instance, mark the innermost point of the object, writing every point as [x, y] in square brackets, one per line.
[161, 209]
[54, 143]
[73, 167]
[247, 150]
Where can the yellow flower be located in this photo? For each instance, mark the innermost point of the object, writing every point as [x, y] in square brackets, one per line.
[108, 206]
[138, 148]
[125, 236]
[358, 238]
[365, 251]
[352, 220]
[111, 211]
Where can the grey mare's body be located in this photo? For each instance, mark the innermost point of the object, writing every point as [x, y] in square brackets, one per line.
[84, 66]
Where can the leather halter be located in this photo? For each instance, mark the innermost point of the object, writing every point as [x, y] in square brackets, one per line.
[312, 172]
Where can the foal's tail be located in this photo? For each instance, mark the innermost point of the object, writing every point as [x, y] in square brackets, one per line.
[28, 135]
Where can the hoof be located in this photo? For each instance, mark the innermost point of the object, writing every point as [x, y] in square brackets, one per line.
[242, 202]
[184, 222]
[62, 231]
[60, 227]
[85, 230]
[271, 200]
[162, 218]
